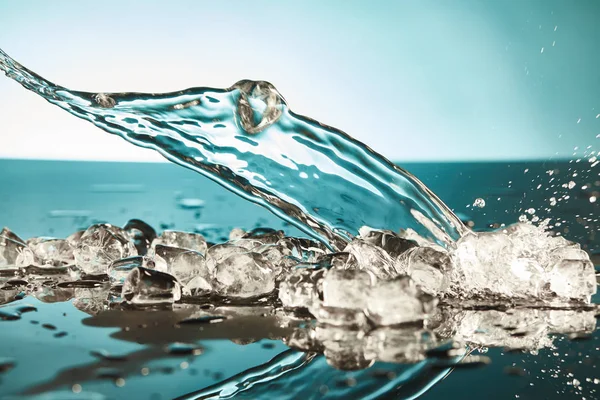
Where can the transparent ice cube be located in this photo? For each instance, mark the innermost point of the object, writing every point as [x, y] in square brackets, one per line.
[218, 253]
[100, 245]
[50, 252]
[13, 251]
[372, 258]
[573, 279]
[182, 240]
[119, 269]
[398, 301]
[150, 287]
[389, 241]
[244, 275]
[347, 288]
[141, 234]
[300, 287]
[429, 269]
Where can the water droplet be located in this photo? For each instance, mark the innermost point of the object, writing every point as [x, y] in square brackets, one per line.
[479, 203]
[76, 388]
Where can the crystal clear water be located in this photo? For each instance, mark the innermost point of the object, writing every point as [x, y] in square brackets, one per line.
[246, 139]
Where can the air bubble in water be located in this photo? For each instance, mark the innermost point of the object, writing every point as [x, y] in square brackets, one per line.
[479, 203]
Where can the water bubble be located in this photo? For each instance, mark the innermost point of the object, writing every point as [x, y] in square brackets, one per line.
[479, 203]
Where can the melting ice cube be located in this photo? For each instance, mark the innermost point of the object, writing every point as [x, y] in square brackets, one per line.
[374, 259]
[244, 275]
[100, 245]
[13, 251]
[300, 287]
[149, 287]
[182, 240]
[50, 252]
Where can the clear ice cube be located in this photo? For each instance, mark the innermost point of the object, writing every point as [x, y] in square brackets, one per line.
[573, 279]
[389, 241]
[141, 234]
[50, 252]
[429, 268]
[182, 240]
[347, 288]
[218, 253]
[244, 275]
[119, 269]
[374, 259]
[300, 287]
[14, 252]
[398, 301]
[100, 245]
[150, 287]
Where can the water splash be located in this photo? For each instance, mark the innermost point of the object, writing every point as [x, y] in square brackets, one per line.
[247, 139]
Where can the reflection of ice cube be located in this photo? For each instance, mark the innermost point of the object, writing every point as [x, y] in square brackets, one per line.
[100, 245]
[343, 348]
[398, 345]
[398, 301]
[149, 287]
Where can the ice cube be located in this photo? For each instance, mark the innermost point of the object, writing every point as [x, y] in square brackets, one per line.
[141, 234]
[429, 268]
[573, 279]
[236, 233]
[338, 260]
[347, 288]
[300, 287]
[100, 245]
[149, 287]
[389, 241]
[182, 240]
[189, 267]
[280, 256]
[218, 253]
[244, 275]
[119, 269]
[398, 301]
[13, 251]
[74, 238]
[50, 252]
[372, 258]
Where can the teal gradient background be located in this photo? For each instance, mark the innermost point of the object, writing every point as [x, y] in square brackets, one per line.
[416, 80]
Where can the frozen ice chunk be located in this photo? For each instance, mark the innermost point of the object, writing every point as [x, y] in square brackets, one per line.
[149, 287]
[338, 260]
[398, 301]
[429, 268]
[119, 269]
[244, 275]
[74, 238]
[141, 234]
[50, 252]
[280, 256]
[372, 258]
[218, 253]
[198, 285]
[300, 287]
[389, 241]
[236, 233]
[347, 288]
[573, 279]
[13, 251]
[189, 267]
[100, 245]
[182, 240]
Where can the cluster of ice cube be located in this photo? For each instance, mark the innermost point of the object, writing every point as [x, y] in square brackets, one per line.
[381, 278]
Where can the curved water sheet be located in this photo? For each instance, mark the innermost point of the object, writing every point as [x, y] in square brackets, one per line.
[247, 139]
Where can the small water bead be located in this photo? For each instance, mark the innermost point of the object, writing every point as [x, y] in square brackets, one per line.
[479, 203]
